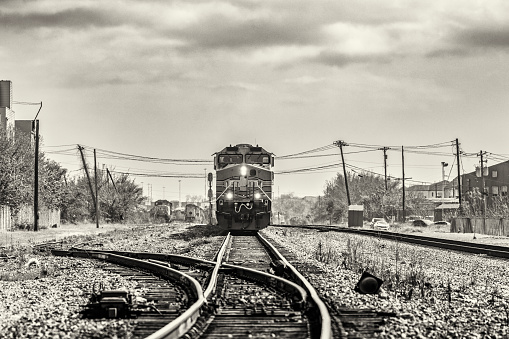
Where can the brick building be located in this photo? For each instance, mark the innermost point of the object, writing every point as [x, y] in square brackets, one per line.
[496, 181]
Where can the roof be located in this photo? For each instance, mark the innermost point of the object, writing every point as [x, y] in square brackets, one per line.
[448, 207]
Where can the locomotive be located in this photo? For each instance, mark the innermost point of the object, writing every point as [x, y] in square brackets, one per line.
[162, 211]
[194, 213]
[244, 182]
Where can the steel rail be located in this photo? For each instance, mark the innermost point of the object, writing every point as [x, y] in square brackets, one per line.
[243, 272]
[325, 319]
[219, 261]
[183, 323]
[186, 321]
[456, 245]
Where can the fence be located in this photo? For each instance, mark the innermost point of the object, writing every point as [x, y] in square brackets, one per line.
[489, 226]
[47, 218]
[5, 218]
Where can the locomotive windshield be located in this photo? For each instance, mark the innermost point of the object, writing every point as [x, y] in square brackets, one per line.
[257, 159]
[225, 159]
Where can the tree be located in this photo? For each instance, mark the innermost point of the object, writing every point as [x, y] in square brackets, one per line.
[16, 171]
[17, 175]
[296, 211]
[119, 201]
[366, 189]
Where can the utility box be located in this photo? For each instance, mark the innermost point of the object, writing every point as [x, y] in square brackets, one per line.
[355, 215]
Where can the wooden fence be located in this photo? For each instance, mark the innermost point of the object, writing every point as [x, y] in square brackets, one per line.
[489, 226]
[47, 218]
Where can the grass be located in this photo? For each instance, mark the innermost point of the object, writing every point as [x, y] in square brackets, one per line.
[17, 238]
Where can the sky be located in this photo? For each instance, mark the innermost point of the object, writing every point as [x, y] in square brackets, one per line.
[183, 79]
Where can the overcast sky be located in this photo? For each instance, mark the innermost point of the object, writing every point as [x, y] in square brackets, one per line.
[183, 79]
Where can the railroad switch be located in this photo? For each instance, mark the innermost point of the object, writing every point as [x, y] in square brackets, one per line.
[109, 304]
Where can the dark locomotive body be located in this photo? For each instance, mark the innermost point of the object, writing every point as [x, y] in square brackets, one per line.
[194, 213]
[244, 182]
[162, 210]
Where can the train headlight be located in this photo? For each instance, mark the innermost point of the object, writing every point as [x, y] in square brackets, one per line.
[257, 195]
[243, 171]
[229, 195]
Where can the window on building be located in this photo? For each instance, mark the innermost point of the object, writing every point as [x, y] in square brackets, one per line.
[494, 174]
[494, 191]
[503, 191]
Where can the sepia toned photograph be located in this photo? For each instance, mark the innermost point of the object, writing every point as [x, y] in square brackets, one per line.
[254, 169]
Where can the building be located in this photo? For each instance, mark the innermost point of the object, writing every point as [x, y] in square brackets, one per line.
[439, 192]
[493, 183]
[7, 116]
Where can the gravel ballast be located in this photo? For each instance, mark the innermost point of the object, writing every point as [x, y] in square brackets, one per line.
[436, 293]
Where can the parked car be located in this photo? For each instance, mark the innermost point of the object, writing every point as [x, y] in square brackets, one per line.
[442, 222]
[381, 225]
[421, 222]
[374, 220]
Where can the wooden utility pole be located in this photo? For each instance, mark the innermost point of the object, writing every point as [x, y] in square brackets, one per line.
[385, 164]
[340, 144]
[36, 176]
[403, 179]
[88, 175]
[481, 153]
[96, 193]
[459, 173]
[113, 182]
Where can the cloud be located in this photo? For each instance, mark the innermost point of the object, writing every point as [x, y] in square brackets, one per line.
[304, 80]
[484, 37]
[67, 18]
[340, 59]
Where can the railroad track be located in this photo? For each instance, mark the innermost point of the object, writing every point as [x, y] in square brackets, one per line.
[346, 322]
[170, 291]
[455, 245]
[231, 300]
[268, 310]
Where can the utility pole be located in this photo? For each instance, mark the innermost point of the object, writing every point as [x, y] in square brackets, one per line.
[481, 153]
[108, 173]
[86, 172]
[340, 144]
[35, 125]
[403, 179]
[385, 164]
[163, 193]
[36, 176]
[459, 173]
[96, 193]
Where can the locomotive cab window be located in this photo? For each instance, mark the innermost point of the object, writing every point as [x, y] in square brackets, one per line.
[257, 159]
[226, 159]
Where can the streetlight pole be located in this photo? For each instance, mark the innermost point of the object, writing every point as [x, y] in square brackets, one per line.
[444, 165]
[179, 193]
